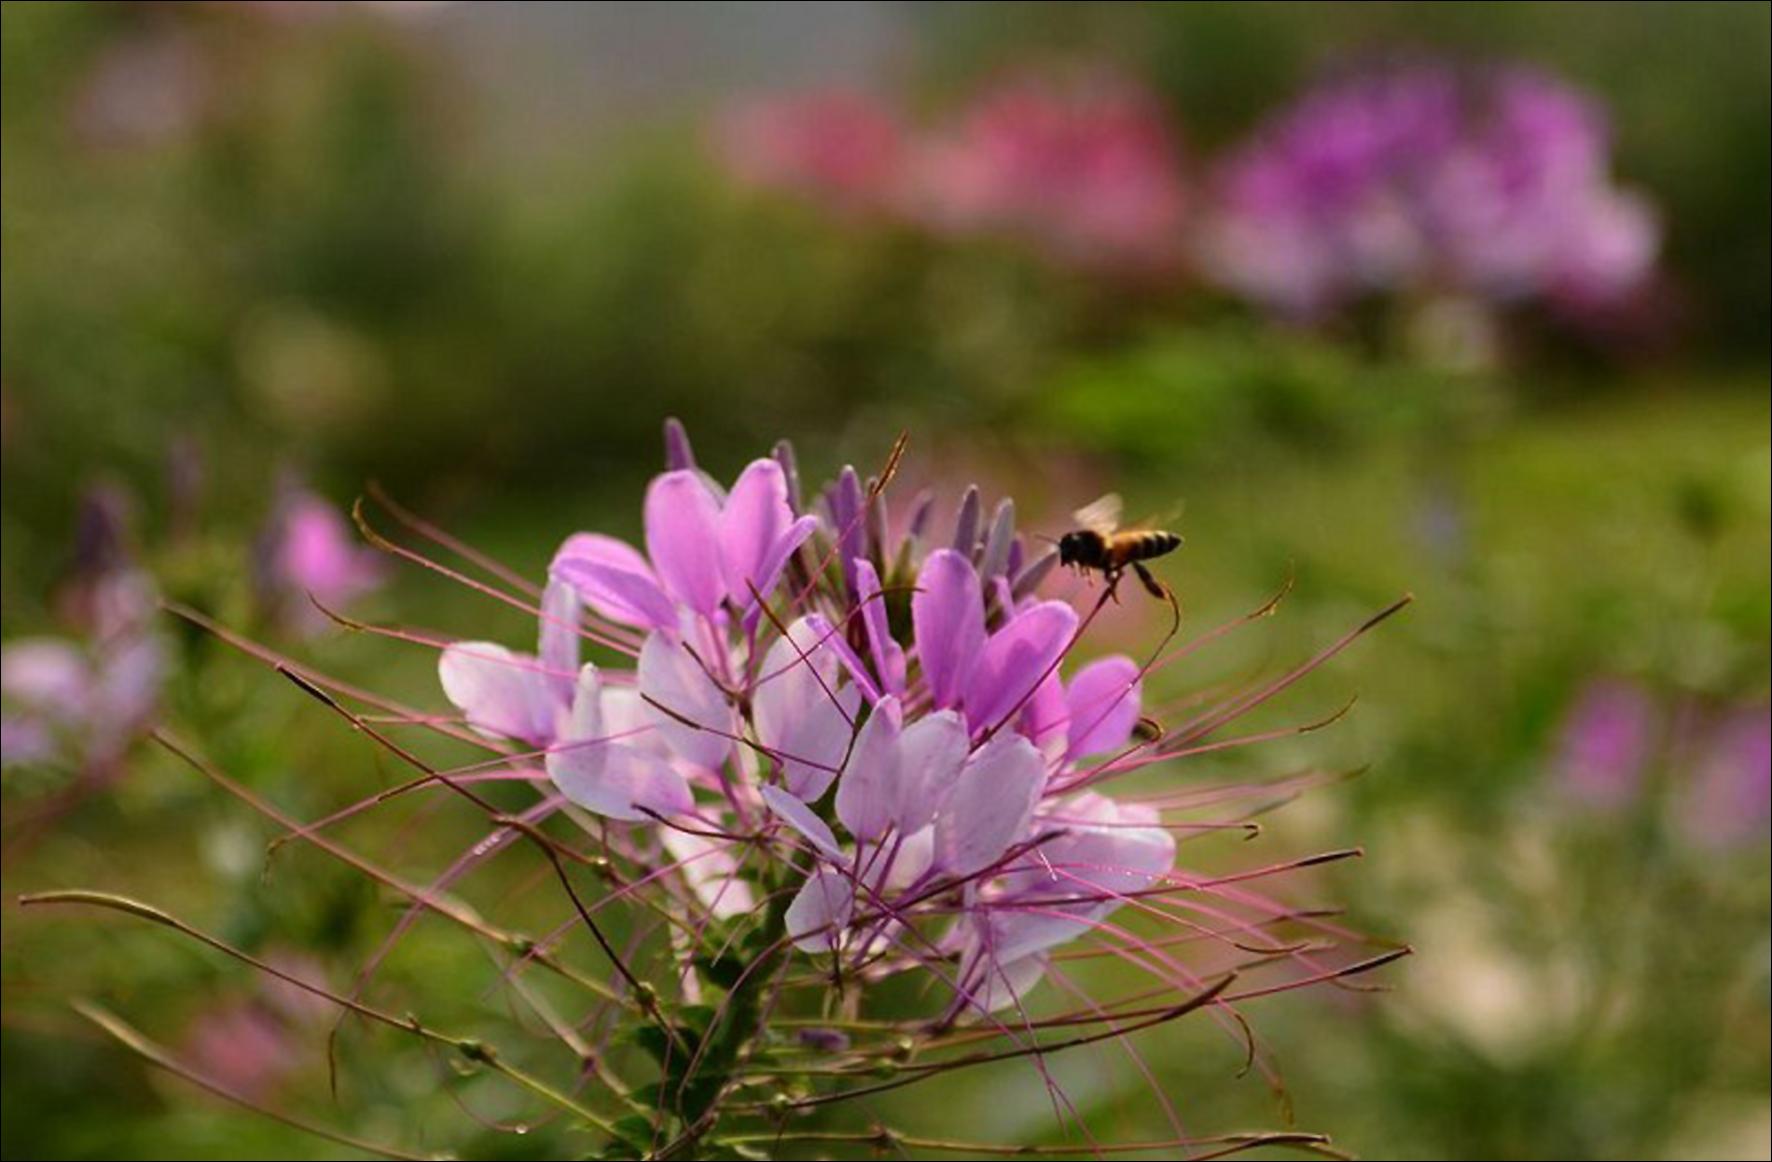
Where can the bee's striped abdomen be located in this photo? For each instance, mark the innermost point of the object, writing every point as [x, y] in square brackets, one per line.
[1145, 544]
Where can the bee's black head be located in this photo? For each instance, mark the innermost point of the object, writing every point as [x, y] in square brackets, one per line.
[1078, 548]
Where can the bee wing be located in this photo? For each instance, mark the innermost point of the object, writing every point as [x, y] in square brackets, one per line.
[1102, 516]
[1168, 518]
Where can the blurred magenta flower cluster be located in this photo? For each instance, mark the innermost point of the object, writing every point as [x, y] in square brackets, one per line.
[1422, 179]
[1084, 168]
[1717, 762]
[78, 701]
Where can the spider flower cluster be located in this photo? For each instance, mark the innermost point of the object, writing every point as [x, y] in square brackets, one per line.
[946, 770]
[835, 747]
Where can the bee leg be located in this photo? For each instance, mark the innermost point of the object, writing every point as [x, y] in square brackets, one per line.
[1113, 582]
[1151, 585]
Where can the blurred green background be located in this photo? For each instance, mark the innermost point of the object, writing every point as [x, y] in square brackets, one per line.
[478, 252]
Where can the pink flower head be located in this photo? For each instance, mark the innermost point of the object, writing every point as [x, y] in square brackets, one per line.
[903, 714]
[839, 147]
[308, 553]
[1088, 171]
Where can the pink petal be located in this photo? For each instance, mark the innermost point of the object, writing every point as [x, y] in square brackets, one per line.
[888, 655]
[1104, 853]
[932, 752]
[605, 774]
[799, 712]
[756, 517]
[1047, 716]
[558, 644]
[800, 817]
[777, 558]
[839, 645]
[991, 806]
[500, 692]
[615, 580]
[46, 674]
[683, 540]
[870, 780]
[688, 709]
[947, 614]
[821, 910]
[1103, 700]
[1016, 659]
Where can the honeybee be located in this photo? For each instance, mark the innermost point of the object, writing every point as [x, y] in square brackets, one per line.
[1100, 544]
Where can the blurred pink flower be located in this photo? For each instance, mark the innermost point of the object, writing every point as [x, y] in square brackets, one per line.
[1604, 746]
[242, 1045]
[1727, 800]
[839, 147]
[308, 551]
[253, 1043]
[146, 89]
[1088, 170]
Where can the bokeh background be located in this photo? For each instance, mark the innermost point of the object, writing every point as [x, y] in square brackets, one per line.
[257, 256]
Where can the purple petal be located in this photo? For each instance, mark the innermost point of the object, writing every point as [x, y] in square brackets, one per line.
[991, 806]
[888, 655]
[800, 817]
[756, 518]
[1047, 716]
[850, 529]
[800, 714]
[24, 741]
[865, 794]
[820, 911]
[500, 692]
[1103, 700]
[691, 713]
[784, 455]
[994, 982]
[683, 539]
[947, 615]
[780, 552]
[128, 686]
[860, 674]
[932, 752]
[966, 523]
[1016, 659]
[678, 453]
[996, 545]
[615, 580]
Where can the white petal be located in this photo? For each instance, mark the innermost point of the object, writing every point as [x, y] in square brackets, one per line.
[821, 910]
